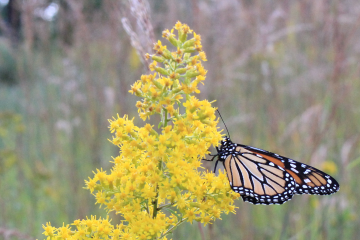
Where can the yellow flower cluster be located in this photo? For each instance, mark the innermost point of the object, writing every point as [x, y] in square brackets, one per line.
[179, 74]
[156, 183]
[86, 229]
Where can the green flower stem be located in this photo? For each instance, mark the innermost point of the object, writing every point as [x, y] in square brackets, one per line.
[173, 228]
[166, 205]
[155, 202]
[165, 118]
[164, 121]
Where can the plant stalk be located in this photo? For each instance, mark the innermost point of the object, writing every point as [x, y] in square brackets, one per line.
[164, 120]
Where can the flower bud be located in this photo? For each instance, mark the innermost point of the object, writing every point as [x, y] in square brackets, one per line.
[162, 71]
[191, 73]
[167, 54]
[176, 90]
[189, 43]
[158, 58]
[158, 85]
[180, 70]
[187, 56]
[173, 41]
[189, 50]
[182, 35]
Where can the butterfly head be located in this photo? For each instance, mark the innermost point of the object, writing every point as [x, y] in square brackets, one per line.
[225, 142]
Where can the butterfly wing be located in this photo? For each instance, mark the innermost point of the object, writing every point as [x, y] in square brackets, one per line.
[309, 180]
[257, 179]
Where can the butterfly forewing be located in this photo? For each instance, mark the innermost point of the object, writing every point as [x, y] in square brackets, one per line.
[312, 180]
[309, 180]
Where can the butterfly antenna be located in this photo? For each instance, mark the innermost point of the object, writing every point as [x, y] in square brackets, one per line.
[223, 122]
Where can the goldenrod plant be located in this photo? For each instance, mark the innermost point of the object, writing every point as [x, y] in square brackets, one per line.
[158, 182]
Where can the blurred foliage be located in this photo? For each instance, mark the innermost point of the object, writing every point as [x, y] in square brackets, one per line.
[285, 75]
[10, 127]
[7, 64]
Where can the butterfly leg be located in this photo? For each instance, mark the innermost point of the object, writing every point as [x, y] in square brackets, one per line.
[212, 159]
[213, 156]
[215, 166]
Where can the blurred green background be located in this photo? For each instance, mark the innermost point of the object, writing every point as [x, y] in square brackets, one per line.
[285, 76]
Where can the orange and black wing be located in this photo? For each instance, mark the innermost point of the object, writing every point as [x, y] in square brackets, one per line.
[309, 180]
[257, 179]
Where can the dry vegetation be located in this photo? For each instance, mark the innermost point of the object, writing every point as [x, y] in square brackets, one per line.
[285, 75]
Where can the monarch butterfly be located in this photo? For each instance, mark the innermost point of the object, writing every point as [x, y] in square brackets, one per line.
[263, 177]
